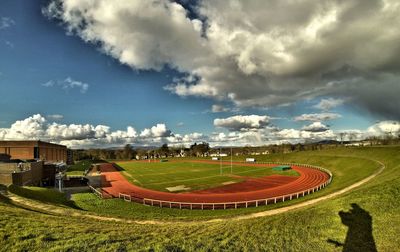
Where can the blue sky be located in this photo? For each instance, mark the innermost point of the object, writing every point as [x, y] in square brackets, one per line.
[117, 96]
[43, 68]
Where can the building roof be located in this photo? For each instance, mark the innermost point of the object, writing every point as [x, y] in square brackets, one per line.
[33, 143]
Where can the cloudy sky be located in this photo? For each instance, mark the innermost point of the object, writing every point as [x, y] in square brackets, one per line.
[106, 73]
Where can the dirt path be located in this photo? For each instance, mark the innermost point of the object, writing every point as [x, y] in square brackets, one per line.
[46, 208]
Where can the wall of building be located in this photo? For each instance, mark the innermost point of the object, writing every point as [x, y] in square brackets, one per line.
[23, 178]
[6, 178]
[33, 150]
[21, 152]
[53, 154]
[49, 173]
[36, 173]
[8, 167]
[18, 149]
[31, 175]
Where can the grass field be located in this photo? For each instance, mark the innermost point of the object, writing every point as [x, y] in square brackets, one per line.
[196, 176]
[314, 228]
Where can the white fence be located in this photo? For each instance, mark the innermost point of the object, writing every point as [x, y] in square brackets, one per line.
[96, 192]
[235, 204]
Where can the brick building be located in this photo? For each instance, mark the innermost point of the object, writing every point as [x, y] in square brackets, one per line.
[34, 150]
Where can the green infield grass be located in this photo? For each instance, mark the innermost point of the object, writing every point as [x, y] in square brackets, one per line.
[196, 176]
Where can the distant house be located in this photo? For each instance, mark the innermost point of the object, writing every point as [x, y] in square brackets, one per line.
[218, 155]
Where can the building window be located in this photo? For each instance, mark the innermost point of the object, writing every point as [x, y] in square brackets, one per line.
[36, 152]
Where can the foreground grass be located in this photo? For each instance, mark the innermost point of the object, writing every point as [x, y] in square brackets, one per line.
[308, 229]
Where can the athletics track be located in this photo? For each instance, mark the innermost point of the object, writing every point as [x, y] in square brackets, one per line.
[114, 184]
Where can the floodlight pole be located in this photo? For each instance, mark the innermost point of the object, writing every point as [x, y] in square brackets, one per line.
[231, 161]
[220, 162]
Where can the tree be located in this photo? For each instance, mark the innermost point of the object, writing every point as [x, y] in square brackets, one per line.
[352, 136]
[164, 150]
[342, 135]
[200, 149]
[128, 152]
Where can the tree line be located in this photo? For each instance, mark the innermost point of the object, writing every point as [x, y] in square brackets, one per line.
[129, 152]
[203, 149]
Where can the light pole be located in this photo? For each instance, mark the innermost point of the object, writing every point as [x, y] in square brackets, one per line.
[220, 162]
[231, 161]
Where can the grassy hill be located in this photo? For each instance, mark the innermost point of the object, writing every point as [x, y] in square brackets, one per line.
[360, 220]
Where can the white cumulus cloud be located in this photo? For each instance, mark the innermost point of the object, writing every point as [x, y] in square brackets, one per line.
[242, 122]
[385, 127]
[159, 130]
[316, 127]
[317, 117]
[243, 130]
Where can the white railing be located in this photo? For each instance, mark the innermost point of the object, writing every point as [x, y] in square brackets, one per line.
[96, 192]
[234, 204]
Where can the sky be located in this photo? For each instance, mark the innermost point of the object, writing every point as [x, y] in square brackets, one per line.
[107, 73]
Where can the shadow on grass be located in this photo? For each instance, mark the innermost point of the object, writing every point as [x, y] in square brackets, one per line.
[5, 200]
[44, 195]
[359, 235]
[117, 167]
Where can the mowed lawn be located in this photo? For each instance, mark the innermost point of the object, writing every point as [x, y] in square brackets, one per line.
[191, 175]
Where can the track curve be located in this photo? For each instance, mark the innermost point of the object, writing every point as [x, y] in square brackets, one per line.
[310, 178]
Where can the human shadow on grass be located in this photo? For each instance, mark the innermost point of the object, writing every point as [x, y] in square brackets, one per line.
[359, 235]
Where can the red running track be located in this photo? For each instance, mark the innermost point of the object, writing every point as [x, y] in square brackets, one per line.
[115, 183]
